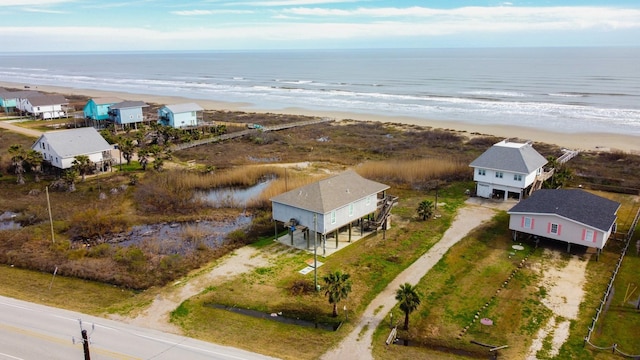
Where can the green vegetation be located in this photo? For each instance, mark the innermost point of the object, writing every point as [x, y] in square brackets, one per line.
[408, 301]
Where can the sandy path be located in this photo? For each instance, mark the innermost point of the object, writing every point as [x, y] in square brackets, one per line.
[156, 316]
[20, 130]
[357, 345]
[564, 283]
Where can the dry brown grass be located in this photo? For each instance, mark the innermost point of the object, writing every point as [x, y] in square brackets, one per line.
[415, 173]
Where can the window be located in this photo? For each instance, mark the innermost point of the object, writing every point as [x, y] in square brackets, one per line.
[554, 229]
[517, 177]
[589, 235]
[527, 222]
[482, 172]
[368, 200]
[350, 209]
[333, 217]
[499, 174]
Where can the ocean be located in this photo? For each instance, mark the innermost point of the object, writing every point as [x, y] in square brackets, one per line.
[565, 90]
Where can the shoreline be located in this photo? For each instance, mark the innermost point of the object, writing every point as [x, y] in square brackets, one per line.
[576, 141]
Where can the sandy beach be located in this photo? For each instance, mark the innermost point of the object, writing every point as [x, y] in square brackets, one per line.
[574, 141]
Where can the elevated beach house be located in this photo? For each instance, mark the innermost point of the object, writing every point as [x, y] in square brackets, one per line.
[59, 148]
[43, 106]
[330, 204]
[127, 112]
[98, 108]
[506, 169]
[9, 99]
[180, 115]
[574, 216]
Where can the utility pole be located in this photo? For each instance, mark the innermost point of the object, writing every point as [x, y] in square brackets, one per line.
[315, 251]
[85, 339]
[53, 240]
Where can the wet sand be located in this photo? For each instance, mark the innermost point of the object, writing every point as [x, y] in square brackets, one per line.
[574, 141]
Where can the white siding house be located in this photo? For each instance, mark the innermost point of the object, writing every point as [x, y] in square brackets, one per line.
[59, 148]
[44, 106]
[180, 115]
[506, 169]
[329, 204]
[574, 216]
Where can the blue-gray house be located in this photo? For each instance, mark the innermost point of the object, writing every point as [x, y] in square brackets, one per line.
[98, 108]
[180, 115]
[127, 112]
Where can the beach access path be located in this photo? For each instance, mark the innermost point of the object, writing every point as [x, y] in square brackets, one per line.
[357, 344]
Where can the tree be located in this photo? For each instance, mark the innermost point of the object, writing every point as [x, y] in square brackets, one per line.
[425, 209]
[18, 155]
[409, 299]
[82, 165]
[143, 158]
[338, 287]
[126, 147]
[69, 177]
[34, 160]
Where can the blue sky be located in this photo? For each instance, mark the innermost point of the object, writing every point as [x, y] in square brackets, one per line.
[119, 25]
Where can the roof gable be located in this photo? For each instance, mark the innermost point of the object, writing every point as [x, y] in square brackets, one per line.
[71, 143]
[106, 100]
[574, 204]
[128, 105]
[512, 157]
[331, 193]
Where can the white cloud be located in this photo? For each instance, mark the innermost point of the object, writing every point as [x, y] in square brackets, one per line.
[291, 2]
[32, 2]
[209, 12]
[46, 11]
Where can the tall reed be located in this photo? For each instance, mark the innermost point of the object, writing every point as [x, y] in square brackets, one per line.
[415, 173]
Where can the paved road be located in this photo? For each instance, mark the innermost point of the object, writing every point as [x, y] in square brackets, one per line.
[32, 331]
[357, 345]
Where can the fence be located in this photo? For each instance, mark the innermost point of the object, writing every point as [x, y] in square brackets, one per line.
[608, 293]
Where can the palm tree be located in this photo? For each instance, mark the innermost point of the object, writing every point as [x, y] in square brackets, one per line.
[18, 156]
[34, 160]
[143, 158]
[69, 177]
[126, 147]
[425, 209]
[409, 299]
[338, 288]
[83, 165]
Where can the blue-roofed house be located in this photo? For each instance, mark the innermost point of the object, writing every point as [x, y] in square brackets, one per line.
[180, 115]
[127, 112]
[98, 108]
[571, 215]
[59, 148]
[506, 169]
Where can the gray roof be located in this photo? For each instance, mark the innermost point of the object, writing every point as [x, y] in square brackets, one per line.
[183, 108]
[128, 104]
[573, 204]
[70, 143]
[19, 94]
[44, 100]
[331, 193]
[106, 100]
[512, 157]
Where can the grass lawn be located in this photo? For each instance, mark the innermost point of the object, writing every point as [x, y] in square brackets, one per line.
[372, 263]
[465, 283]
[69, 293]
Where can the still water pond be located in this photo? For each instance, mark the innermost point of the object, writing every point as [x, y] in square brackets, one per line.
[7, 221]
[232, 197]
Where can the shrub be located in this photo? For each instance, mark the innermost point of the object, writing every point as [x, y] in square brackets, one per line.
[301, 287]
